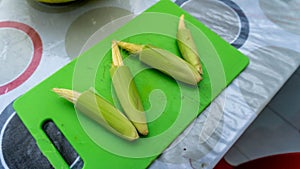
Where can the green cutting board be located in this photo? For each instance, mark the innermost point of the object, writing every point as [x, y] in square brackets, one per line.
[170, 105]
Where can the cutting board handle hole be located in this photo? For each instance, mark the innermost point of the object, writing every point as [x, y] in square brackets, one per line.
[62, 145]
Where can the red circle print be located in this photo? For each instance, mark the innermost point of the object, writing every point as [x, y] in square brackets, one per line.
[37, 54]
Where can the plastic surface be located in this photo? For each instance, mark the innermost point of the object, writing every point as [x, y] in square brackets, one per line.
[266, 31]
[222, 63]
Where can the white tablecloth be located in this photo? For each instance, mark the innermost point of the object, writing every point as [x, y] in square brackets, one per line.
[268, 32]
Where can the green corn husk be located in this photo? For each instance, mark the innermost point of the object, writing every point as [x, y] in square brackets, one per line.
[127, 93]
[101, 111]
[164, 61]
[187, 46]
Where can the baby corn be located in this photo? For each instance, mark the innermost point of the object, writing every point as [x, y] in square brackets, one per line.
[164, 61]
[126, 91]
[187, 46]
[99, 110]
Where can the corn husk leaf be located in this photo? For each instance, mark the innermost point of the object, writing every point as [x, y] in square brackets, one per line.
[170, 64]
[101, 111]
[129, 98]
[127, 92]
[187, 46]
[164, 61]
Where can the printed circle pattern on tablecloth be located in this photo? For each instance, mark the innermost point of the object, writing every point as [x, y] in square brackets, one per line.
[93, 20]
[18, 149]
[37, 54]
[15, 52]
[288, 18]
[232, 20]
